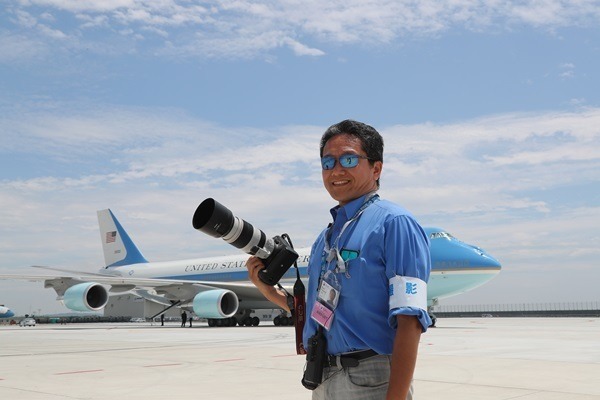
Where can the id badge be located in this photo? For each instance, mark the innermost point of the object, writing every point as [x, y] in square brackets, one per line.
[327, 300]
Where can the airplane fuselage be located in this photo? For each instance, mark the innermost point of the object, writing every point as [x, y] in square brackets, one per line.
[5, 312]
[456, 267]
[218, 287]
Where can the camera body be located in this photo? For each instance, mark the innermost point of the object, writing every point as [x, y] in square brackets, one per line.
[280, 259]
[315, 360]
[214, 219]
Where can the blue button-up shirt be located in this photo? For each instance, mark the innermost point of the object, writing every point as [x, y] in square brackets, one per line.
[389, 243]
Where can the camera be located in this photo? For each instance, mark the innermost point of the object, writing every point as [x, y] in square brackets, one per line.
[216, 220]
[315, 360]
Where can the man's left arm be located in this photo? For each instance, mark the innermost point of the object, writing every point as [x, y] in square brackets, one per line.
[404, 356]
[408, 267]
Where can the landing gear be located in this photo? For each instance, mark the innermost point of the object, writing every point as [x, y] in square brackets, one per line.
[250, 321]
[283, 320]
[222, 321]
[433, 320]
[432, 315]
[243, 318]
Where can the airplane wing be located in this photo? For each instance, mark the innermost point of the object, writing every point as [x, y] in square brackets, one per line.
[242, 289]
[164, 291]
[117, 283]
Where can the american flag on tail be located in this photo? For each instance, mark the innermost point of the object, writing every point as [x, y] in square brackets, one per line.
[110, 236]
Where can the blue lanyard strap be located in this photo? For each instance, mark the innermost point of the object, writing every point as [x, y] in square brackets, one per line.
[331, 253]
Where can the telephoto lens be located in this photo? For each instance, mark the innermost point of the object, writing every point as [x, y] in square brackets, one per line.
[214, 219]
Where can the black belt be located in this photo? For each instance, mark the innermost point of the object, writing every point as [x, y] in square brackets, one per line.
[348, 359]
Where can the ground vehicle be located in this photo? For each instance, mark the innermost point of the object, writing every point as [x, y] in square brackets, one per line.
[27, 322]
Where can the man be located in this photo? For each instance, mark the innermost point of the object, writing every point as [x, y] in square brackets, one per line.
[376, 256]
[183, 319]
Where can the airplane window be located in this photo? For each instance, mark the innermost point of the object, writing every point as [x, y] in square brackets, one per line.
[438, 235]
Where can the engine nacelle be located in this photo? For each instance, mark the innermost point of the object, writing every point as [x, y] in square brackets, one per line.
[87, 296]
[217, 303]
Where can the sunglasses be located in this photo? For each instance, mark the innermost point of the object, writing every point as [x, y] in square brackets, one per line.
[346, 161]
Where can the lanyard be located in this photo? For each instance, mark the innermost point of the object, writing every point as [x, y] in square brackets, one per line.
[331, 253]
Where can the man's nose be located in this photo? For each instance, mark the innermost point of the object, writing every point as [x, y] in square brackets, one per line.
[337, 168]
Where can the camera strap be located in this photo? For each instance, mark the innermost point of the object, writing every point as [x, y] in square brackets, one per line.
[297, 304]
[299, 314]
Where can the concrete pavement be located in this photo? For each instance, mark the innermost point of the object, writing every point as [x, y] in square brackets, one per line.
[478, 359]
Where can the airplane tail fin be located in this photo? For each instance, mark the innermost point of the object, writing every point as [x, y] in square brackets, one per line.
[118, 247]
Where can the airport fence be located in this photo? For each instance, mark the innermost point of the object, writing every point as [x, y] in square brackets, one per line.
[564, 309]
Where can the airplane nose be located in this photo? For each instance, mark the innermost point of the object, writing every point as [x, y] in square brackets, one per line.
[481, 258]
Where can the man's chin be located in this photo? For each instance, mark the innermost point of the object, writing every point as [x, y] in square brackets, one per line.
[341, 198]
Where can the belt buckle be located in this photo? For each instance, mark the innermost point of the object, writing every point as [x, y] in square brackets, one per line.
[344, 361]
[331, 360]
[348, 360]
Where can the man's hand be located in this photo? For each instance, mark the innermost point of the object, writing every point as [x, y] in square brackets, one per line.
[255, 264]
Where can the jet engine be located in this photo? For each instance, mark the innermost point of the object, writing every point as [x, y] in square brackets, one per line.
[87, 296]
[216, 303]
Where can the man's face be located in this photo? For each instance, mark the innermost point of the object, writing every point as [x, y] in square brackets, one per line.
[347, 184]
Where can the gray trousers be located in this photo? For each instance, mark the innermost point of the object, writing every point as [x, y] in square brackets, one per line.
[368, 381]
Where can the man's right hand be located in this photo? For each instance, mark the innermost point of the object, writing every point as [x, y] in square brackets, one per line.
[255, 264]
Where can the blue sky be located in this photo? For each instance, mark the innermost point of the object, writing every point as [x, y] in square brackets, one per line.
[490, 112]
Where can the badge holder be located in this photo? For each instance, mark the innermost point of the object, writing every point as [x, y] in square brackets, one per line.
[327, 300]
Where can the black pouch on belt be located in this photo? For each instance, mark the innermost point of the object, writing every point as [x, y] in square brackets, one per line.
[315, 360]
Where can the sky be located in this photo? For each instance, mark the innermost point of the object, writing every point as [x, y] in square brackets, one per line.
[490, 113]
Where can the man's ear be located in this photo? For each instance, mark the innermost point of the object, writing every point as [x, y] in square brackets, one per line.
[377, 167]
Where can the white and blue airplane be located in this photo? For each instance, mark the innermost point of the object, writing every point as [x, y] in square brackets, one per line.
[218, 288]
[6, 312]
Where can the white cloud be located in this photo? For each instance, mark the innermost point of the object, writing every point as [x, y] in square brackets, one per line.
[486, 156]
[250, 28]
[92, 21]
[577, 102]
[301, 49]
[51, 33]
[567, 70]
[519, 185]
[83, 5]
[18, 49]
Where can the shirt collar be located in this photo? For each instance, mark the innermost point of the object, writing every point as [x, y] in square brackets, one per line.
[349, 209]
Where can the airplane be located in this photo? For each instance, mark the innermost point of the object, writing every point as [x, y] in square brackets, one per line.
[6, 312]
[218, 289]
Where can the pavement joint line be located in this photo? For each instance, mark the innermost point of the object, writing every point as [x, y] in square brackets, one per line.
[79, 372]
[161, 365]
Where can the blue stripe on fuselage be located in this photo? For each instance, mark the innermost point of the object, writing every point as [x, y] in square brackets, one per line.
[230, 276]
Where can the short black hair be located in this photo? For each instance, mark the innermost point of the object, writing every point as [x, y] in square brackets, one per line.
[370, 140]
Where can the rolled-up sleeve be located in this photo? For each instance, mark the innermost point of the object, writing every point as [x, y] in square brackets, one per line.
[408, 265]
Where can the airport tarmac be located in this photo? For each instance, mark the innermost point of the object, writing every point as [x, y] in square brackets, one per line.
[466, 359]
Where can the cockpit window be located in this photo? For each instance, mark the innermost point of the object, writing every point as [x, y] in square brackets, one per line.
[438, 235]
